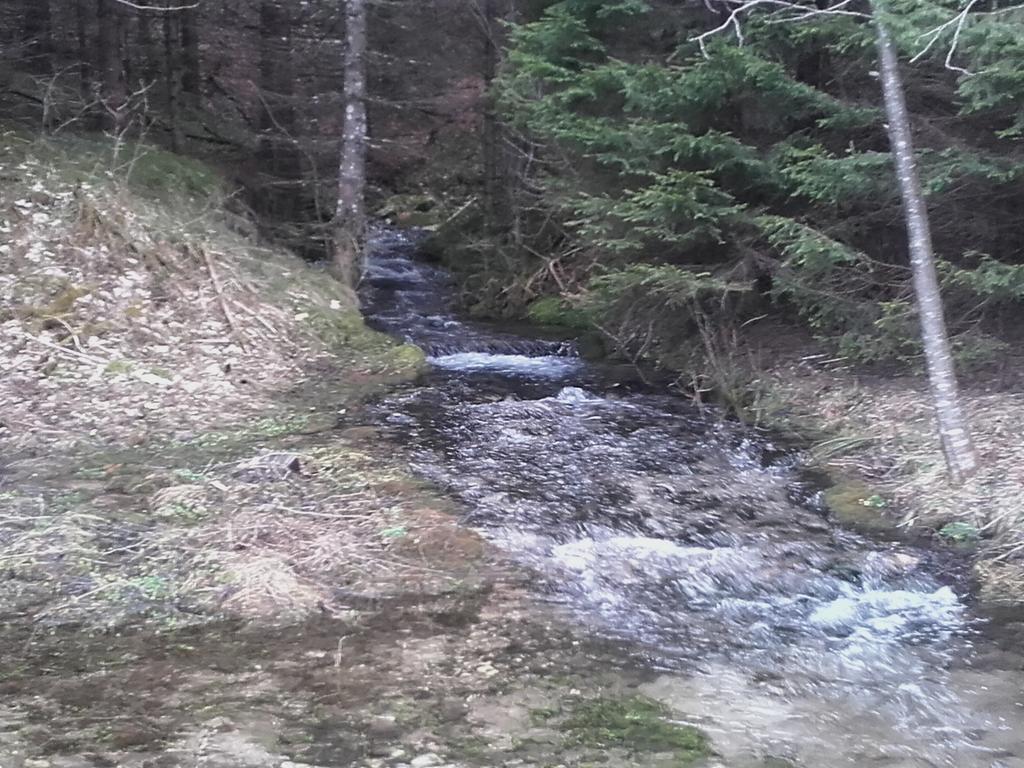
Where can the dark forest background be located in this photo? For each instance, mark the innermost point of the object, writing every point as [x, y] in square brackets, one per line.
[254, 87]
[583, 162]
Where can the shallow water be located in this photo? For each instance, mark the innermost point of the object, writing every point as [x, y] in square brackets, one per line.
[701, 544]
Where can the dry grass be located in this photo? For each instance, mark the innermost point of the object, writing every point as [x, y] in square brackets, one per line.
[142, 322]
[120, 302]
[882, 430]
[278, 547]
[309, 541]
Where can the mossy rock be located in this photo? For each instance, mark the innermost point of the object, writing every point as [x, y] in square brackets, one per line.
[405, 358]
[857, 505]
[339, 328]
[413, 210]
[634, 723]
[555, 311]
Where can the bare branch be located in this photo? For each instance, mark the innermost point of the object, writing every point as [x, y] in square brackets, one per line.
[933, 35]
[163, 8]
[958, 23]
[785, 11]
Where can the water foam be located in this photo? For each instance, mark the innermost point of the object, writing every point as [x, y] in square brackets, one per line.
[541, 367]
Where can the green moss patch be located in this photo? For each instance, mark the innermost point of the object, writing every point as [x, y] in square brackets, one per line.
[551, 310]
[855, 504]
[959, 532]
[160, 172]
[634, 723]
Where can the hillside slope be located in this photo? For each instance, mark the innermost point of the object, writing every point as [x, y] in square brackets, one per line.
[156, 358]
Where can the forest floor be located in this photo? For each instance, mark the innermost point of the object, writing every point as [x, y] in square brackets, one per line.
[874, 434]
[204, 558]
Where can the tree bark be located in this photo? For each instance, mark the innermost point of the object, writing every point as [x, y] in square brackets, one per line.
[954, 432]
[191, 82]
[112, 85]
[149, 49]
[84, 65]
[350, 215]
[278, 153]
[172, 80]
[38, 36]
[490, 136]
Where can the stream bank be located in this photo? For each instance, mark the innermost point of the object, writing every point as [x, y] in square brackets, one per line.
[700, 543]
[260, 580]
[876, 434]
[209, 557]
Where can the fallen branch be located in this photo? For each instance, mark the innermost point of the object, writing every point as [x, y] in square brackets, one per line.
[219, 290]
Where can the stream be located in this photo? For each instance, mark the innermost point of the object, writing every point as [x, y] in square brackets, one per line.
[700, 545]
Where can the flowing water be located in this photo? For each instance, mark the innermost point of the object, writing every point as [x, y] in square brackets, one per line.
[699, 544]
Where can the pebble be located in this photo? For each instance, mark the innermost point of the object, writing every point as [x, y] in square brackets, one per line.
[487, 670]
[426, 761]
[452, 710]
[383, 727]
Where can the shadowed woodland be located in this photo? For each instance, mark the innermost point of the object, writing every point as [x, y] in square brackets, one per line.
[521, 383]
[745, 181]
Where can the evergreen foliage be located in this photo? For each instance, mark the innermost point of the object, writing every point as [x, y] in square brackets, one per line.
[660, 176]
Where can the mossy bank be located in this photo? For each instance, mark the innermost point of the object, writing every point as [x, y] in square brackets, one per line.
[157, 348]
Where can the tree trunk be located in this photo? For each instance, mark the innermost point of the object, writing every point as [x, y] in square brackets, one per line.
[277, 153]
[149, 51]
[350, 216]
[172, 80]
[191, 81]
[954, 433]
[84, 67]
[112, 85]
[490, 136]
[38, 36]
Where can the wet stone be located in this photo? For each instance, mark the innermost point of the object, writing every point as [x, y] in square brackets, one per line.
[383, 727]
[269, 467]
[452, 710]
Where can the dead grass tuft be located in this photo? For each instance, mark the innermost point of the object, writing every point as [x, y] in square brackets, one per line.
[267, 586]
[139, 318]
[882, 430]
[130, 301]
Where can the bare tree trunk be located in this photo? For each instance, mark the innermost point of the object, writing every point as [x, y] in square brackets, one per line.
[149, 50]
[38, 35]
[280, 163]
[84, 66]
[490, 137]
[350, 216]
[954, 433]
[172, 79]
[112, 85]
[191, 81]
